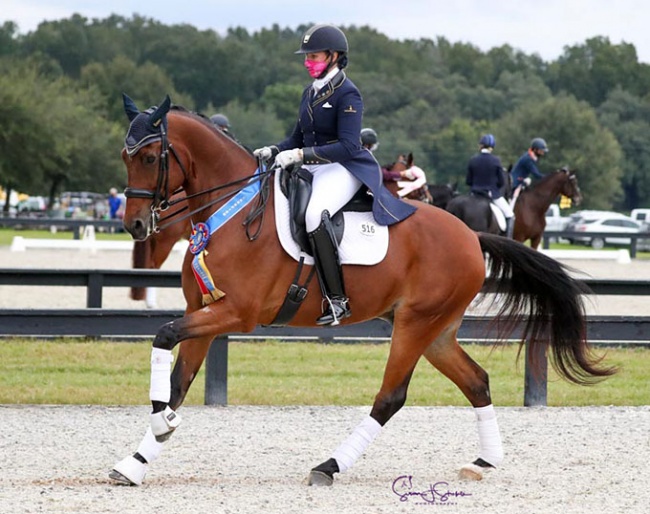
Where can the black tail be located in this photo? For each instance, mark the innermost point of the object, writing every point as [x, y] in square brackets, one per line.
[539, 292]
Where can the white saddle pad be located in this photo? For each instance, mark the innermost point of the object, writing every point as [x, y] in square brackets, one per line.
[364, 241]
[498, 214]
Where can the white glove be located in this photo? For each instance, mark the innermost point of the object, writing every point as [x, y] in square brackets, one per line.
[266, 153]
[289, 158]
[527, 181]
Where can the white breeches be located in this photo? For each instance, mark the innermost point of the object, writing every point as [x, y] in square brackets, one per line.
[332, 188]
[503, 204]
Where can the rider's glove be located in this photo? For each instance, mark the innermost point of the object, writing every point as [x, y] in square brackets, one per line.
[527, 181]
[289, 158]
[266, 153]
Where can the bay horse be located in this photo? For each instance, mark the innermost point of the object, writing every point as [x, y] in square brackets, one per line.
[434, 266]
[419, 191]
[153, 251]
[533, 202]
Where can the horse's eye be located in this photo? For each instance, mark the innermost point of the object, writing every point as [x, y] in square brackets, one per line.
[150, 159]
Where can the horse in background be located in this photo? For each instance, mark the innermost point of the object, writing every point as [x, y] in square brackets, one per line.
[154, 251]
[475, 210]
[442, 194]
[237, 278]
[533, 202]
[413, 186]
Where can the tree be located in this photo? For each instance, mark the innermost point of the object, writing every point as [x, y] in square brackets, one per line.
[575, 138]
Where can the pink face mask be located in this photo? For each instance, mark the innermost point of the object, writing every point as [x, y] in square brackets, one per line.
[315, 68]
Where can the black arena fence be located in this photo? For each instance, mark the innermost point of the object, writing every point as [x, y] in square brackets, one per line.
[131, 324]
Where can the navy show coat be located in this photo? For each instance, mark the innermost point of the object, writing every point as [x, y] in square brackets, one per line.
[485, 174]
[327, 130]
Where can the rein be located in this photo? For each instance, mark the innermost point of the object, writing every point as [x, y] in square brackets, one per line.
[161, 197]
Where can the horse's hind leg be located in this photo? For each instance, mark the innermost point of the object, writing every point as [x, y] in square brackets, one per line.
[132, 469]
[451, 360]
[410, 337]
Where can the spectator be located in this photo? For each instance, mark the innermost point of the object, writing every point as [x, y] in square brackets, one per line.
[114, 203]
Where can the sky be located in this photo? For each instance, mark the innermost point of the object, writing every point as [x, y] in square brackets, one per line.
[542, 27]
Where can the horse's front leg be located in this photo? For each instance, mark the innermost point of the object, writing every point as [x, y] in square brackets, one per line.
[165, 394]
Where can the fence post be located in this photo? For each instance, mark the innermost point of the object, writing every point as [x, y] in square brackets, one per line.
[94, 290]
[536, 378]
[216, 372]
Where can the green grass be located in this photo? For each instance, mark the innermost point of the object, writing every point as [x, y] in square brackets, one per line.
[273, 373]
[7, 235]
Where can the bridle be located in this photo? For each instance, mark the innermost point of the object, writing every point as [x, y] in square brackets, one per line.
[161, 196]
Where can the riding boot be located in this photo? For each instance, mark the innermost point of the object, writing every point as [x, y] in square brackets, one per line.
[510, 227]
[330, 273]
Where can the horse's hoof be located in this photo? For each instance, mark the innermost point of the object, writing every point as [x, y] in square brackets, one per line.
[164, 423]
[319, 478]
[471, 472]
[129, 471]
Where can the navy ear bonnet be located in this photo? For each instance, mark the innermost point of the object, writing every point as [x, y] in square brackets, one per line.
[146, 127]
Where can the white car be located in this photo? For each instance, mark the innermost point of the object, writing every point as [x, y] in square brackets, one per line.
[617, 224]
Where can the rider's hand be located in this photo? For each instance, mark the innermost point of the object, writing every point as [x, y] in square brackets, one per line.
[289, 158]
[527, 181]
[266, 153]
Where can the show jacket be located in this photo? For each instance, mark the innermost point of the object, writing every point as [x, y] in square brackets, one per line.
[485, 174]
[524, 167]
[327, 130]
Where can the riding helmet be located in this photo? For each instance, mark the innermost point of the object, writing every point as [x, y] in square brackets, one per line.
[487, 141]
[368, 137]
[220, 120]
[538, 144]
[323, 37]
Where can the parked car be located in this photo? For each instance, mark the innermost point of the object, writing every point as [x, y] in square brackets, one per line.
[578, 216]
[641, 215]
[618, 224]
[32, 206]
[84, 204]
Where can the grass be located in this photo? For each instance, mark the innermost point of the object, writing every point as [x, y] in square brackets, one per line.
[7, 235]
[274, 373]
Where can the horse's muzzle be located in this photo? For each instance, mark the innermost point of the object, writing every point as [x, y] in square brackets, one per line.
[138, 228]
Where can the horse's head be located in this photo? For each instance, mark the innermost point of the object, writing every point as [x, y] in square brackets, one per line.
[402, 162]
[152, 178]
[570, 187]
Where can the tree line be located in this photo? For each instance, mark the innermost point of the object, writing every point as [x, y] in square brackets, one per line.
[63, 124]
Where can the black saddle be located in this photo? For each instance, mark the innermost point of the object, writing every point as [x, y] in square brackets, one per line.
[296, 186]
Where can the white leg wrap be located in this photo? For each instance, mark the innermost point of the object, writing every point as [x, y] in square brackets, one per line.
[491, 449]
[161, 366]
[164, 422]
[149, 448]
[352, 448]
[151, 298]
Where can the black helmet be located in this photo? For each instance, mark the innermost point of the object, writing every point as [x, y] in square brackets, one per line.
[220, 120]
[323, 37]
[368, 137]
[538, 144]
[488, 141]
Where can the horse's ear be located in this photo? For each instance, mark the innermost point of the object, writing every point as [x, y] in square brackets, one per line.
[159, 114]
[409, 160]
[130, 108]
[509, 168]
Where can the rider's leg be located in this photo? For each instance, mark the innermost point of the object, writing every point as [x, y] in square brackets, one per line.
[330, 273]
[509, 214]
[333, 187]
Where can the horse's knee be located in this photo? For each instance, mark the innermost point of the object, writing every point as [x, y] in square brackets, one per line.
[478, 389]
[167, 337]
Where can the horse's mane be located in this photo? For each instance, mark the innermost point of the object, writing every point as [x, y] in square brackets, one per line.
[203, 119]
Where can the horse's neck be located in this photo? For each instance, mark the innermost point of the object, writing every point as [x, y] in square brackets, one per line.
[546, 191]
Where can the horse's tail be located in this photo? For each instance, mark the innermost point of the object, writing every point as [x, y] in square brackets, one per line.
[141, 259]
[539, 292]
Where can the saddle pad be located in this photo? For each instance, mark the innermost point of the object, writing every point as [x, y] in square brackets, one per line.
[498, 214]
[364, 241]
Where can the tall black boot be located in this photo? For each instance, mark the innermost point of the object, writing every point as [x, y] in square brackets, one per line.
[510, 227]
[330, 274]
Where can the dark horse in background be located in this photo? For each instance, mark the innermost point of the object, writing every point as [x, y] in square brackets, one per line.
[475, 210]
[434, 267]
[533, 202]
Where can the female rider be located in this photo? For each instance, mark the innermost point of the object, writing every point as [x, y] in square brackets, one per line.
[326, 141]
